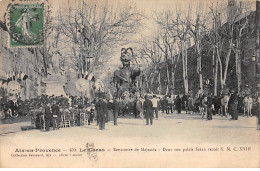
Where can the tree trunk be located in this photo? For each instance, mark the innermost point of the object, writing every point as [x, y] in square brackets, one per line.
[44, 58]
[167, 74]
[172, 71]
[160, 85]
[216, 77]
[227, 61]
[199, 66]
[220, 71]
[173, 84]
[238, 65]
[184, 67]
[147, 86]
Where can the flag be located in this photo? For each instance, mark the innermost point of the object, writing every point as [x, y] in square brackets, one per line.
[25, 77]
[22, 75]
[90, 76]
[13, 76]
[10, 76]
[86, 73]
[18, 75]
[4, 85]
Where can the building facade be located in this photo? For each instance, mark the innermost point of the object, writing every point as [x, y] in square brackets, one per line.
[24, 65]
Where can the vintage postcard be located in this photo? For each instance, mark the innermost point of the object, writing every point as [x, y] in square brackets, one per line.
[129, 84]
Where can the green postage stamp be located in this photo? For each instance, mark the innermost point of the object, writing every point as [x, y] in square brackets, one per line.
[26, 25]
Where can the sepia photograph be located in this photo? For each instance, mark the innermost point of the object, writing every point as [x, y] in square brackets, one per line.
[129, 84]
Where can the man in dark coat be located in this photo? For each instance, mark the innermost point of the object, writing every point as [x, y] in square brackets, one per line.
[116, 108]
[55, 115]
[217, 105]
[233, 101]
[13, 107]
[47, 116]
[110, 114]
[91, 112]
[23, 109]
[178, 104]
[164, 104]
[101, 113]
[184, 101]
[148, 110]
[209, 106]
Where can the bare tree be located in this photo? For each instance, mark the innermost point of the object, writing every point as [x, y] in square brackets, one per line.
[197, 30]
[241, 14]
[224, 37]
[95, 29]
[168, 44]
[150, 52]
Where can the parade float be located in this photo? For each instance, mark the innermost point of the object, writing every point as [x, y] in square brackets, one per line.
[125, 79]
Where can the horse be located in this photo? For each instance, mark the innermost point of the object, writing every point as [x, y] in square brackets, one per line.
[224, 104]
[247, 105]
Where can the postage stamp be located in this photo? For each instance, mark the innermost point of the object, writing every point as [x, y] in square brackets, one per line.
[26, 25]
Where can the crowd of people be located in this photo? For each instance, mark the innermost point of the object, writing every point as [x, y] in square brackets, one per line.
[51, 111]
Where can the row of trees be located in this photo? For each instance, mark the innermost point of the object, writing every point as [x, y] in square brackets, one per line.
[84, 34]
[92, 31]
[85, 30]
[217, 28]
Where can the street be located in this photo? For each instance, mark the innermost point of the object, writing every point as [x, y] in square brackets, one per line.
[172, 138]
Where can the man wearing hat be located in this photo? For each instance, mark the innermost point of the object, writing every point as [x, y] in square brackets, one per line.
[233, 101]
[55, 115]
[101, 107]
[148, 110]
[47, 116]
[209, 106]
